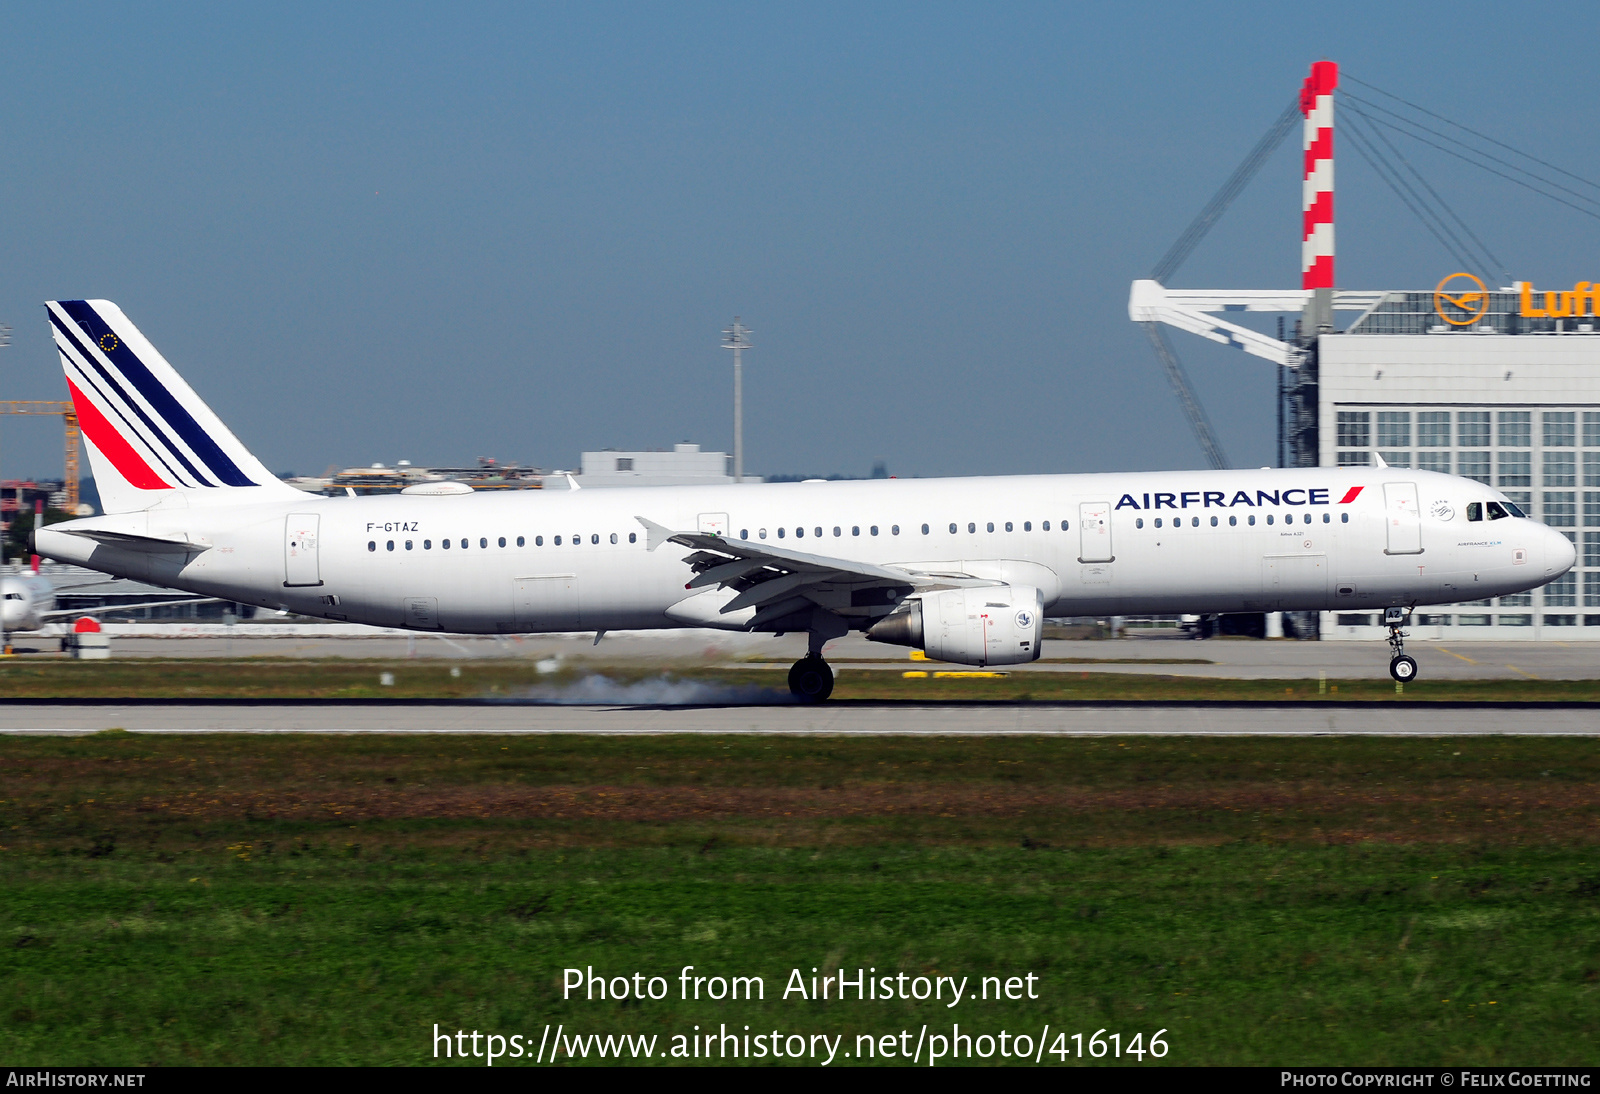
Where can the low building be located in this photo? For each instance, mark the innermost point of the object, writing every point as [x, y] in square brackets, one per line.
[685, 465]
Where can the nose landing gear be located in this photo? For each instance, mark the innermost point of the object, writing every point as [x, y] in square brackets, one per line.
[1401, 667]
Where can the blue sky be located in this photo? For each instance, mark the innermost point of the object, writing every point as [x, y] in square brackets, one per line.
[381, 232]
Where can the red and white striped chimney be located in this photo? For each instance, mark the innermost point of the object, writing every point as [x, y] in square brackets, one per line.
[1316, 198]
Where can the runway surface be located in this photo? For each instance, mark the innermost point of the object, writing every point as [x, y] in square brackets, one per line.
[846, 719]
[1166, 654]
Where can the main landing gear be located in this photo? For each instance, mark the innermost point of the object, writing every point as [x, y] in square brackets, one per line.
[1401, 667]
[811, 680]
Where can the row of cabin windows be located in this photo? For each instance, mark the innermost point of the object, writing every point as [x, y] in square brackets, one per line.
[483, 542]
[1250, 520]
[894, 529]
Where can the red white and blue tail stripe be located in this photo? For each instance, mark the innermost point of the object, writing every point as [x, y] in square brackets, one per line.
[146, 431]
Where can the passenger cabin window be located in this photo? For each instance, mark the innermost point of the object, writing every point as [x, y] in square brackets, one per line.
[1027, 526]
[1138, 522]
[1045, 526]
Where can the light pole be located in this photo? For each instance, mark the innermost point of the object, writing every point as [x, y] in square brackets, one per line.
[736, 338]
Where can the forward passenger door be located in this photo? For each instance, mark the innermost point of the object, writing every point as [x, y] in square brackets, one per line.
[1402, 518]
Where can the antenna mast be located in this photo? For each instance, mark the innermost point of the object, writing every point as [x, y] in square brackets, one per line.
[736, 338]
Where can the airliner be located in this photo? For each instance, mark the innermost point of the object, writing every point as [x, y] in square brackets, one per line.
[965, 569]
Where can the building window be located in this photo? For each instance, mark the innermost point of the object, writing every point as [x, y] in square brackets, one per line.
[1472, 429]
[1433, 429]
[624, 463]
[1516, 429]
[1516, 468]
[1560, 469]
[1434, 461]
[1516, 620]
[1519, 600]
[1562, 592]
[1355, 459]
[1473, 465]
[1560, 428]
[1355, 429]
[1591, 549]
[1522, 501]
[1591, 469]
[1394, 429]
[1591, 429]
[1396, 459]
[1591, 590]
[1561, 508]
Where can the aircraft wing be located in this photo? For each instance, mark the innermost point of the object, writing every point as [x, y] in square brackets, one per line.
[776, 581]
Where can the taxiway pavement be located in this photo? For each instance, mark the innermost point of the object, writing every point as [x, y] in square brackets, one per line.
[846, 719]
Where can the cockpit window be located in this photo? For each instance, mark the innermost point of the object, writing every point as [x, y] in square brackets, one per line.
[1474, 510]
[1513, 510]
[1496, 512]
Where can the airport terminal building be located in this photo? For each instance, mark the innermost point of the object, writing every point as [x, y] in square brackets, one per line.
[1505, 391]
[1501, 386]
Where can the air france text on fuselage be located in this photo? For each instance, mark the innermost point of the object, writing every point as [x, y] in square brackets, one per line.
[1218, 499]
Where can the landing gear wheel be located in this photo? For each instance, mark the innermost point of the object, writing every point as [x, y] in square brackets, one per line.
[1403, 669]
[811, 680]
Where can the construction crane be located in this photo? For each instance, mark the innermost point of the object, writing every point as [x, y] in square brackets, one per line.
[69, 418]
[1204, 435]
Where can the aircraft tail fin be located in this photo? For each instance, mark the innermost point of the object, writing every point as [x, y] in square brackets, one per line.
[150, 439]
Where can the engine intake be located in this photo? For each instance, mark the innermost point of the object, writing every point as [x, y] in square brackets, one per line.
[993, 625]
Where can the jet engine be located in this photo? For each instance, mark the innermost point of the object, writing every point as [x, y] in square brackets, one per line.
[990, 625]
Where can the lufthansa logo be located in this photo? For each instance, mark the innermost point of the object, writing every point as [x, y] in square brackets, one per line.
[109, 341]
[1461, 304]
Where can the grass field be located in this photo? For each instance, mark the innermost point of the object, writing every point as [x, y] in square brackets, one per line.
[232, 899]
[261, 678]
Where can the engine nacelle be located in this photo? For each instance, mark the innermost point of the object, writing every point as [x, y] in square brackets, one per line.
[993, 625]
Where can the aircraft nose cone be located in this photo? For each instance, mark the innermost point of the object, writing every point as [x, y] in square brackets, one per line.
[1559, 553]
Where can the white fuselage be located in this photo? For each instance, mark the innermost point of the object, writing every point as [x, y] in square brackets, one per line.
[25, 598]
[1227, 541]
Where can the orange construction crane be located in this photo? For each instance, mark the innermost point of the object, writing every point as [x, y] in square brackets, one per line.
[69, 417]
